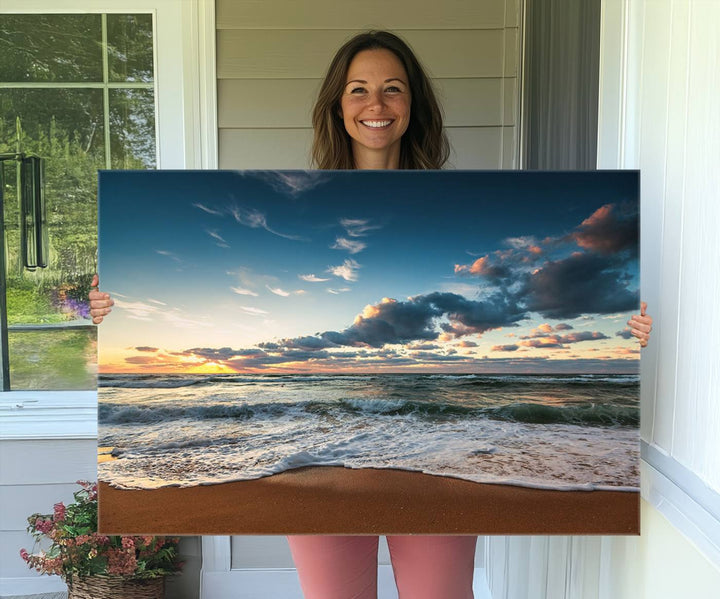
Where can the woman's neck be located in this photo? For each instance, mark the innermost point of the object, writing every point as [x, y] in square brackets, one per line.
[385, 159]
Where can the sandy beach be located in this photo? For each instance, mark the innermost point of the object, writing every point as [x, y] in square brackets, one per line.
[335, 500]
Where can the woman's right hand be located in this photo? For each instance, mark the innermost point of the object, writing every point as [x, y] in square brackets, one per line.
[99, 302]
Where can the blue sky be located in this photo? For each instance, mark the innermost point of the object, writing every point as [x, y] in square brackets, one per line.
[273, 271]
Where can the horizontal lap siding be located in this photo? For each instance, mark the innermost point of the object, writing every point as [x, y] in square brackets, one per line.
[271, 58]
[271, 54]
[36, 475]
[354, 14]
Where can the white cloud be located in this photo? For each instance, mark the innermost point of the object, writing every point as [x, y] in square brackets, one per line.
[256, 220]
[350, 245]
[292, 183]
[347, 270]
[208, 210]
[216, 236]
[169, 255]
[312, 278]
[253, 311]
[241, 291]
[140, 310]
[278, 291]
[357, 227]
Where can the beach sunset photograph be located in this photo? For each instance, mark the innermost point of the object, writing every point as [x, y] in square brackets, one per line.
[369, 352]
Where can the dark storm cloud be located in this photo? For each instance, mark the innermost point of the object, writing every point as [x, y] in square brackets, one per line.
[582, 336]
[308, 342]
[569, 338]
[423, 347]
[413, 320]
[546, 342]
[625, 334]
[297, 355]
[583, 283]
[146, 348]
[591, 281]
[610, 229]
[563, 327]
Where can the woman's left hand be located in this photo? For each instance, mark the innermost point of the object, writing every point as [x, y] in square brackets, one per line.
[641, 325]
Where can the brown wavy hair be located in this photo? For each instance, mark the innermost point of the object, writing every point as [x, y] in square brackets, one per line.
[423, 146]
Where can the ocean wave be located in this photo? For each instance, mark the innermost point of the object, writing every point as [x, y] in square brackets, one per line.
[130, 381]
[569, 380]
[585, 414]
[110, 413]
[525, 412]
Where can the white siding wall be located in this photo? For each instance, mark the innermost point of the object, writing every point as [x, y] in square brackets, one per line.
[271, 58]
[660, 83]
[34, 475]
[677, 127]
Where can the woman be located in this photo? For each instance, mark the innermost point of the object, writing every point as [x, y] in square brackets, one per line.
[377, 110]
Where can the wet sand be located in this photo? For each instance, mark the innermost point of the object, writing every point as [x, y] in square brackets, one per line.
[336, 500]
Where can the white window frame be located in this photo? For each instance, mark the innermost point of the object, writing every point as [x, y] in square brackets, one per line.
[186, 135]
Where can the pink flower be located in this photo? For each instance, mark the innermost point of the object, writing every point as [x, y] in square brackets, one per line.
[43, 526]
[128, 543]
[121, 562]
[59, 512]
[24, 555]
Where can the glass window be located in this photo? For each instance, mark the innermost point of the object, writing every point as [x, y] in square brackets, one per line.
[78, 91]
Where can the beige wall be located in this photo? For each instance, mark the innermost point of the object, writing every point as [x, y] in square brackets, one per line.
[660, 564]
[271, 57]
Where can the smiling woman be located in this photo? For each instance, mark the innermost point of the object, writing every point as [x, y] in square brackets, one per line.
[375, 78]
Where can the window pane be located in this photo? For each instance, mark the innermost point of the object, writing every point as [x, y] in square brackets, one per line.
[65, 127]
[130, 47]
[50, 48]
[53, 359]
[54, 121]
[52, 345]
[132, 128]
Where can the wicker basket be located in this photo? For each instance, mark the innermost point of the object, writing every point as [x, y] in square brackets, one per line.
[116, 587]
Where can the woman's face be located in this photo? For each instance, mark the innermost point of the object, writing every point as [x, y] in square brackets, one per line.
[375, 103]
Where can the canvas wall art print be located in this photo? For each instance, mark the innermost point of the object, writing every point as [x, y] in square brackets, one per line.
[369, 352]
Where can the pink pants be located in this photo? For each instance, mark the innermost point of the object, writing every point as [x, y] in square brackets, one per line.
[345, 567]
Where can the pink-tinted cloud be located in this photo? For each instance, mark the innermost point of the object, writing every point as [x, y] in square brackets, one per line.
[511, 347]
[466, 343]
[608, 230]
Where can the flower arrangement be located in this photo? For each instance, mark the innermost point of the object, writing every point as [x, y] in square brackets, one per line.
[77, 551]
